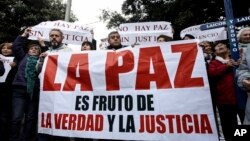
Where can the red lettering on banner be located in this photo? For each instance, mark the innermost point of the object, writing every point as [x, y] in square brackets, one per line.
[72, 122]
[196, 122]
[78, 62]
[58, 118]
[42, 120]
[50, 75]
[161, 126]
[170, 123]
[184, 71]
[79, 122]
[90, 123]
[151, 68]
[183, 123]
[65, 121]
[150, 122]
[46, 120]
[205, 124]
[187, 119]
[160, 75]
[113, 69]
[178, 123]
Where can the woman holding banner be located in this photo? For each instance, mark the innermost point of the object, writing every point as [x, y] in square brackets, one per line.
[6, 89]
[25, 90]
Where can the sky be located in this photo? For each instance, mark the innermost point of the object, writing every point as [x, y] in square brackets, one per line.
[88, 11]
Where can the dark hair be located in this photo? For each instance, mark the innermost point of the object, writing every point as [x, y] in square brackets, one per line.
[5, 44]
[32, 44]
[225, 42]
[88, 43]
[165, 37]
[189, 36]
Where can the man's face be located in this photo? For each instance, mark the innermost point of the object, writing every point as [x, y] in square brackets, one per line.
[115, 39]
[55, 38]
[245, 37]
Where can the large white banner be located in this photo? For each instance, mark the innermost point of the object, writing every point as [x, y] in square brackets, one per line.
[154, 92]
[143, 32]
[6, 61]
[205, 35]
[73, 33]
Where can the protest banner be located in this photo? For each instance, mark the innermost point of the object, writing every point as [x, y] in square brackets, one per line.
[214, 34]
[143, 32]
[154, 92]
[217, 24]
[73, 33]
[7, 67]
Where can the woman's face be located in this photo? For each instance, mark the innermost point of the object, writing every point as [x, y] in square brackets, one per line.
[34, 50]
[206, 47]
[6, 50]
[86, 47]
[221, 48]
[245, 37]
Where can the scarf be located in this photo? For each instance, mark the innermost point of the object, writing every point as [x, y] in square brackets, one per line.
[222, 60]
[30, 74]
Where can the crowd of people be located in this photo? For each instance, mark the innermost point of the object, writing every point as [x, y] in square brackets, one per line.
[19, 98]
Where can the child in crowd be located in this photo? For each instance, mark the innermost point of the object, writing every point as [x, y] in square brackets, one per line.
[86, 45]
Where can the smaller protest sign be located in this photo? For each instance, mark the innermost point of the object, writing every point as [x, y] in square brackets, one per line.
[73, 33]
[144, 32]
[205, 35]
[6, 61]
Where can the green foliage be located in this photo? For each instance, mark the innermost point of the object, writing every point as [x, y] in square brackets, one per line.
[15, 14]
[113, 18]
[181, 13]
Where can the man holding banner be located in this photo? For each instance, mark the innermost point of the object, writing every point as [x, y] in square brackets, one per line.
[56, 45]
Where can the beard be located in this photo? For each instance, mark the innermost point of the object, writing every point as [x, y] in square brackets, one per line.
[55, 44]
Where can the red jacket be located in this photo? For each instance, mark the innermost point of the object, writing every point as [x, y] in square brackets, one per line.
[223, 83]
